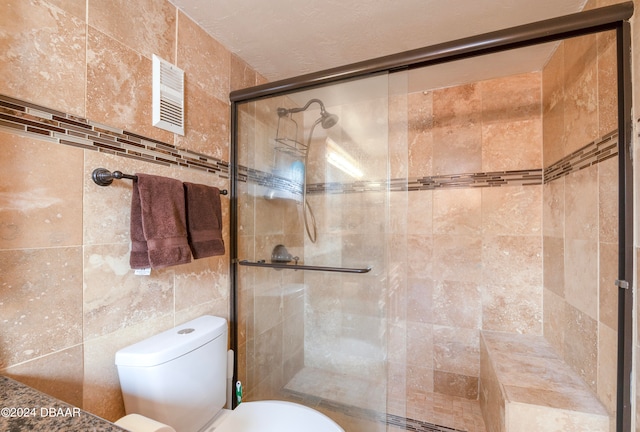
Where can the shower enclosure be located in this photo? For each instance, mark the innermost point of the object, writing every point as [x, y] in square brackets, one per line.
[315, 279]
[383, 223]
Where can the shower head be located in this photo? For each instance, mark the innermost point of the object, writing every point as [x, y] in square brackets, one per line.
[326, 119]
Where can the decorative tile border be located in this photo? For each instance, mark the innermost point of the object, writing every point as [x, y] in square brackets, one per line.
[32, 120]
[595, 152]
[472, 180]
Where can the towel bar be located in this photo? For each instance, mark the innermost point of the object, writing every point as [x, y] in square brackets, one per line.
[104, 177]
[304, 267]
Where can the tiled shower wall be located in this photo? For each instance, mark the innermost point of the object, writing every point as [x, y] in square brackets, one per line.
[68, 298]
[474, 254]
[580, 213]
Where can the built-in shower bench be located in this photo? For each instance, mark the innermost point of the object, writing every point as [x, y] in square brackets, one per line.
[526, 387]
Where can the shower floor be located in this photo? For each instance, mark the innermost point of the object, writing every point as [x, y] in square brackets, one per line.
[355, 403]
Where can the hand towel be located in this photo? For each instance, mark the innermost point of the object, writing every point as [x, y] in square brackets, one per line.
[204, 220]
[158, 212]
[139, 258]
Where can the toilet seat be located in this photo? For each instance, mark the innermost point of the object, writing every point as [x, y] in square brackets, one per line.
[273, 416]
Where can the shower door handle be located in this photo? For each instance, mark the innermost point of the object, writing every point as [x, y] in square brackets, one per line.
[303, 267]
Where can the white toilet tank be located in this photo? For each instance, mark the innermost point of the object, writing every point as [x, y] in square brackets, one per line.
[177, 377]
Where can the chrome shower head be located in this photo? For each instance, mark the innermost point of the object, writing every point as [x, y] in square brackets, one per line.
[326, 119]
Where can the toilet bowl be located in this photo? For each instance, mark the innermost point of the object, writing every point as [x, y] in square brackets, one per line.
[177, 380]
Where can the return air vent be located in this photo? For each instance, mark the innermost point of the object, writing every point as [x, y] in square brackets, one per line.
[168, 96]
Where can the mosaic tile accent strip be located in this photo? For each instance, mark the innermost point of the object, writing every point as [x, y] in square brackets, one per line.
[472, 180]
[595, 152]
[269, 180]
[368, 414]
[490, 179]
[32, 120]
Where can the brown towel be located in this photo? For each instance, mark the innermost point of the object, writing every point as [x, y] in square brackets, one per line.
[204, 220]
[158, 223]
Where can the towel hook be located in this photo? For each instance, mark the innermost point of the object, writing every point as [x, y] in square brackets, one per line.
[104, 177]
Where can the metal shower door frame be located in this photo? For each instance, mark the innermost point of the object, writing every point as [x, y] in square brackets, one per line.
[579, 24]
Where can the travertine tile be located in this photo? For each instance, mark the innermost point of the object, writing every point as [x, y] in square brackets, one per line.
[420, 248]
[453, 384]
[581, 345]
[206, 61]
[241, 75]
[516, 260]
[398, 128]
[42, 55]
[457, 258]
[115, 298]
[43, 206]
[456, 350]
[607, 367]
[457, 212]
[457, 304]
[524, 417]
[554, 320]
[512, 210]
[420, 344]
[554, 275]
[512, 145]
[201, 281]
[119, 86]
[581, 92]
[419, 300]
[207, 124]
[581, 204]
[457, 130]
[509, 310]
[581, 275]
[420, 133]
[151, 32]
[608, 200]
[553, 106]
[457, 149]
[418, 211]
[58, 374]
[607, 290]
[553, 208]
[511, 98]
[607, 83]
[41, 301]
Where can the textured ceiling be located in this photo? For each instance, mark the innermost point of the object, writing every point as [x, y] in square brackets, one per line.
[285, 38]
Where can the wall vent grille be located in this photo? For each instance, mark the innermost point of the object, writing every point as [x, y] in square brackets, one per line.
[168, 96]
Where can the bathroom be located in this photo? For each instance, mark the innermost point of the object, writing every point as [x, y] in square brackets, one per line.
[69, 300]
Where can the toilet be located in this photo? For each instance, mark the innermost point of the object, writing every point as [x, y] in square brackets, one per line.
[176, 381]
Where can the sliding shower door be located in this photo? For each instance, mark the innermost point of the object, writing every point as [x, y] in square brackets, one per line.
[313, 286]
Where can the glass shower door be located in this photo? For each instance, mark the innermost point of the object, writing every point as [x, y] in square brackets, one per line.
[313, 194]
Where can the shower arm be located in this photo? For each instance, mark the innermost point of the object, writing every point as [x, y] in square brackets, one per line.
[285, 111]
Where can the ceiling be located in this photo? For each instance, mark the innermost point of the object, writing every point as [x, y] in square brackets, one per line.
[286, 38]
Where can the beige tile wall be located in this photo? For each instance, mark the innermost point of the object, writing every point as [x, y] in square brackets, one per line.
[68, 298]
[474, 256]
[580, 210]
[64, 240]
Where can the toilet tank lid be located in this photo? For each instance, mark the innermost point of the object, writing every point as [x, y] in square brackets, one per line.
[172, 343]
